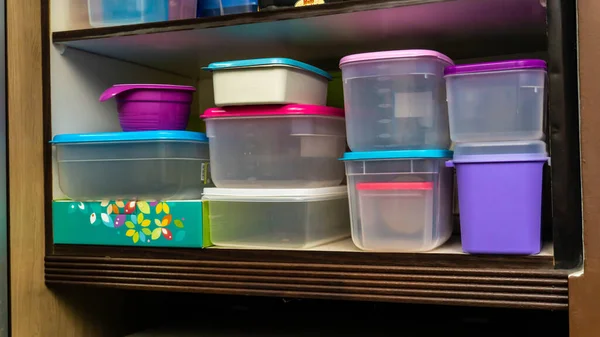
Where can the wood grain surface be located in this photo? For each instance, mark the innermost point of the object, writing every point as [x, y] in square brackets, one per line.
[35, 310]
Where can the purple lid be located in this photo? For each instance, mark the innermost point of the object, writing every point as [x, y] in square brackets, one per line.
[495, 66]
[121, 88]
[395, 54]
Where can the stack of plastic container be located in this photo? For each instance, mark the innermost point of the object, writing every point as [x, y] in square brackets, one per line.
[274, 156]
[496, 120]
[397, 122]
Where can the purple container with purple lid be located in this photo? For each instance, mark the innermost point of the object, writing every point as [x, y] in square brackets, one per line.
[151, 107]
[496, 101]
[500, 196]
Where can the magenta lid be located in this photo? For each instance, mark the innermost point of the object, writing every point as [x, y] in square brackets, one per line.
[495, 66]
[395, 54]
[121, 88]
[273, 110]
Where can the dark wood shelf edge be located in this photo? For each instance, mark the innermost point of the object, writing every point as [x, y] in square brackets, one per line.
[237, 19]
[309, 259]
[558, 303]
[406, 278]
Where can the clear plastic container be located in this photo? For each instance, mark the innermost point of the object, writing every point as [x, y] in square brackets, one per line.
[291, 146]
[277, 218]
[396, 100]
[226, 7]
[151, 165]
[400, 201]
[126, 12]
[498, 101]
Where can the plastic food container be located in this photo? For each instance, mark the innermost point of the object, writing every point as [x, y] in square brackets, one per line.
[497, 101]
[500, 196]
[396, 100]
[126, 12]
[277, 218]
[144, 107]
[274, 146]
[400, 201]
[182, 9]
[268, 81]
[151, 165]
[226, 7]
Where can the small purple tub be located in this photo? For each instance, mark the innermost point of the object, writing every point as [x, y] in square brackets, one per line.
[151, 107]
[500, 196]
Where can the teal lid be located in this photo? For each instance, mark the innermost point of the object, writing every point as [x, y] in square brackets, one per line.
[399, 154]
[134, 136]
[274, 61]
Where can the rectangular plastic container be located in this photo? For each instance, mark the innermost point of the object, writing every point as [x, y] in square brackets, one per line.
[268, 81]
[290, 146]
[226, 7]
[500, 196]
[151, 165]
[497, 101]
[400, 201]
[277, 218]
[127, 12]
[396, 100]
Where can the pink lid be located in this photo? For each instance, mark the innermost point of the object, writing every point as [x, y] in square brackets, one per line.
[407, 186]
[272, 110]
[395, 54]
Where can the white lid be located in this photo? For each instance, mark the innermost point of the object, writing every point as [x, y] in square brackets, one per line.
[500, 148]
[276, 194]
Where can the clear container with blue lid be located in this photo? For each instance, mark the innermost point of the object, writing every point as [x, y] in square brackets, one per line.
[400, 201]
[150, 165]
[268, 81]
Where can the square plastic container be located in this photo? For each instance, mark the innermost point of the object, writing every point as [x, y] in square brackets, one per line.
[268, 81]
[277, 218]
[400, 201]
[290, 146]
[500, 196]
[396, 100]
[151, 165]
[497, 101]
[226, 7]
[127, 12]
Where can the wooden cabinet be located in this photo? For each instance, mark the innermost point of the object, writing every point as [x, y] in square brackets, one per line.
[57, 67]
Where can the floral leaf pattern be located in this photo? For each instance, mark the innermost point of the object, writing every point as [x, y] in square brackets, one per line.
[145, 222]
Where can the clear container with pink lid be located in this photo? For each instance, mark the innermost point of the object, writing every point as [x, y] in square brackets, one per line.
[396, 100]
[276, 146]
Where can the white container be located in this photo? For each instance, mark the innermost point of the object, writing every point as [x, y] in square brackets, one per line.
[104, 13]
[400, 201]
[498, 101]
[396, 100]
[292, 146]
[277, 218]
[268, 81]
[151, 165]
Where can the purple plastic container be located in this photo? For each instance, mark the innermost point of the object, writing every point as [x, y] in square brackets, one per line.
[500, 201]
[151, 107]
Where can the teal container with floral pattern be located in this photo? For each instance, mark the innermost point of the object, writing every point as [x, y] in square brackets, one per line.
[178, 223]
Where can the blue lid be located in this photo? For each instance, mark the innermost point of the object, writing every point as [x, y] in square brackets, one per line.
[134, 136]
[275, 61]
[400, 154]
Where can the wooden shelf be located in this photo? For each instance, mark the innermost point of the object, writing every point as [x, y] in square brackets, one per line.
[459, 28]
[336, 271]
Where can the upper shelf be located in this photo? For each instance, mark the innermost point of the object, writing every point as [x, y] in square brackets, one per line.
[322, 34]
